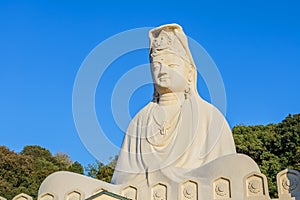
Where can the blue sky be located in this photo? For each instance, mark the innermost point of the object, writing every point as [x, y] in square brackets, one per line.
[255, 45]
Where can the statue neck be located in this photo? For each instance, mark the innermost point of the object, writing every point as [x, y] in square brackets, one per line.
[169, 99]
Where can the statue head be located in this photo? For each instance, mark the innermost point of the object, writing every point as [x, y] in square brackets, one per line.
[172, 66]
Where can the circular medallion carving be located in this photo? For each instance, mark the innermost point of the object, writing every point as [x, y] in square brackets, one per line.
[254, 186]
[221, 189]
[189, 191]
[289, 183]
[158, 194]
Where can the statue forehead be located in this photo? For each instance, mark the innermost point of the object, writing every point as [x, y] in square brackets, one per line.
[168, 57]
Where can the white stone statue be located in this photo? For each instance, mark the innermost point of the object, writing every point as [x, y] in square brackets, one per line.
[178, 147]
[178, 131]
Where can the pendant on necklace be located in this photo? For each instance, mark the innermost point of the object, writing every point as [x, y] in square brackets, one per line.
[164, 128]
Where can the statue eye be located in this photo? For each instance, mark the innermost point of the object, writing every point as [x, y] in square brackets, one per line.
[172, 65]
[155, 65]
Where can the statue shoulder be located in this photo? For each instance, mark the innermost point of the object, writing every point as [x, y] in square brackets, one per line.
[142, 114]
[209, 109]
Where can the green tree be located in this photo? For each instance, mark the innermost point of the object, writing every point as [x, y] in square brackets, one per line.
[24, 172]
[274, 147]
[101, 171]
[15, 173]
[63, 159]
[76, 167]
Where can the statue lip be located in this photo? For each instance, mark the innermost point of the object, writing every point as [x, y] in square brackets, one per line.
[163, 75]
[164, 78]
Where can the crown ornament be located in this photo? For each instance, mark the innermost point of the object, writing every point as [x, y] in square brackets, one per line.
[165, 41]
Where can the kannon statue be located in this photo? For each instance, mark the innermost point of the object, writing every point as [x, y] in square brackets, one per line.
[177, 147]
[177, 131]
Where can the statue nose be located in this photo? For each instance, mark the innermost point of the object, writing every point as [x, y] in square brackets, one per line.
[163, 69]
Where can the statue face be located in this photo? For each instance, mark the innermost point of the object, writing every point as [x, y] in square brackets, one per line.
[169, 73]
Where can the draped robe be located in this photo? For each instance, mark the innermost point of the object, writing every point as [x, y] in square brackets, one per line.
[199, 135]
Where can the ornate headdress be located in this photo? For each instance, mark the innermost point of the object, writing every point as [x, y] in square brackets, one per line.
[170, 38]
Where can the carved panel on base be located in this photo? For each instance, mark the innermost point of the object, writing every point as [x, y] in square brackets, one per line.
[130, 192]
[256, 186]
[159, 192]
[222, 188]
[75, 195]
[22, 197]
[46, 196]
[189, 190]
[288, 183]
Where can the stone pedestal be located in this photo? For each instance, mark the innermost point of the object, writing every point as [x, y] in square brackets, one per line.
[233, 177]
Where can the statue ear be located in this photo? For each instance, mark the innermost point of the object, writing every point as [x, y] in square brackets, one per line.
[190, 74]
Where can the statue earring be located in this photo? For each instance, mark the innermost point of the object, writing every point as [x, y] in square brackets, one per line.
[155, 97]
[187, 92]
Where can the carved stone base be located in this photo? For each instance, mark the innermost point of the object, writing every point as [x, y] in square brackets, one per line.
[234, 176]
